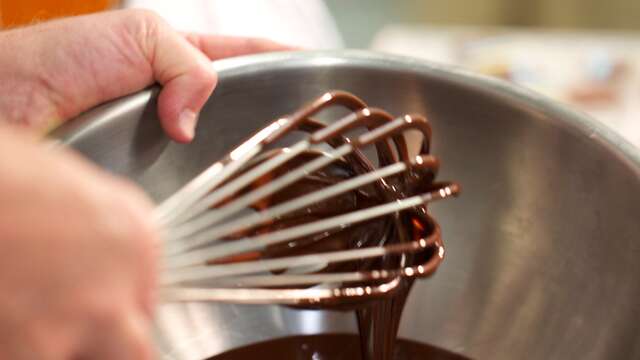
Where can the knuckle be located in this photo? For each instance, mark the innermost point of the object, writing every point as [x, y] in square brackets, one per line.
[203, 76]
[208, 75]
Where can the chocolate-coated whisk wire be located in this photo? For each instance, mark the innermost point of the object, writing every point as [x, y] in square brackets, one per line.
[215, 237]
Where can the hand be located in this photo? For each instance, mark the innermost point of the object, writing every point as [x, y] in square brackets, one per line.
[56, 70]
[77, 258]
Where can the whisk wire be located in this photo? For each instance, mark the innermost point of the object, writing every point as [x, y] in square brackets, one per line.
[260, 242]
[220, 203]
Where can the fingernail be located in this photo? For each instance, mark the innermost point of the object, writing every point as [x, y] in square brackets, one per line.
[187, 122]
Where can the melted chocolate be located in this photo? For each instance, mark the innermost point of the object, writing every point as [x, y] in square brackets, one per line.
[332, 347]
[378, 319]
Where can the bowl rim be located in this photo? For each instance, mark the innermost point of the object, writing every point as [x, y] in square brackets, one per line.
[577, 121]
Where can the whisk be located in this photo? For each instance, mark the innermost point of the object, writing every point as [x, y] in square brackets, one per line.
[319, 220]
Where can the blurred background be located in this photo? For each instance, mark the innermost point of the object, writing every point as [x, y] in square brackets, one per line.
[585, 53]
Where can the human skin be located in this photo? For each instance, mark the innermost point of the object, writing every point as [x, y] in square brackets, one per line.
[54, 71]
[78, 248]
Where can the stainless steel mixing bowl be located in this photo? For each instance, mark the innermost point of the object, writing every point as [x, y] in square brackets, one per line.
[543, 247]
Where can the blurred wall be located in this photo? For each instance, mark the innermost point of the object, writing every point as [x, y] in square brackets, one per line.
[360, 19]
[20, 12]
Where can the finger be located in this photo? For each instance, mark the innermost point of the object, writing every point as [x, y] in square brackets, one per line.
[220, 47]
[187, 77]
[128, 339]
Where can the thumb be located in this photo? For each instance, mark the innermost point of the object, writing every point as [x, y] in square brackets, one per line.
[186, 76]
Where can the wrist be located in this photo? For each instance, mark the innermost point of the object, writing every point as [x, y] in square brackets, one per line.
[27, 101]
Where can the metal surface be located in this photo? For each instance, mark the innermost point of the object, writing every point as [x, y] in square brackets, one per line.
[542, 248]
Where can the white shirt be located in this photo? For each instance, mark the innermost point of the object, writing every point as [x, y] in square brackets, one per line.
[305, 23]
